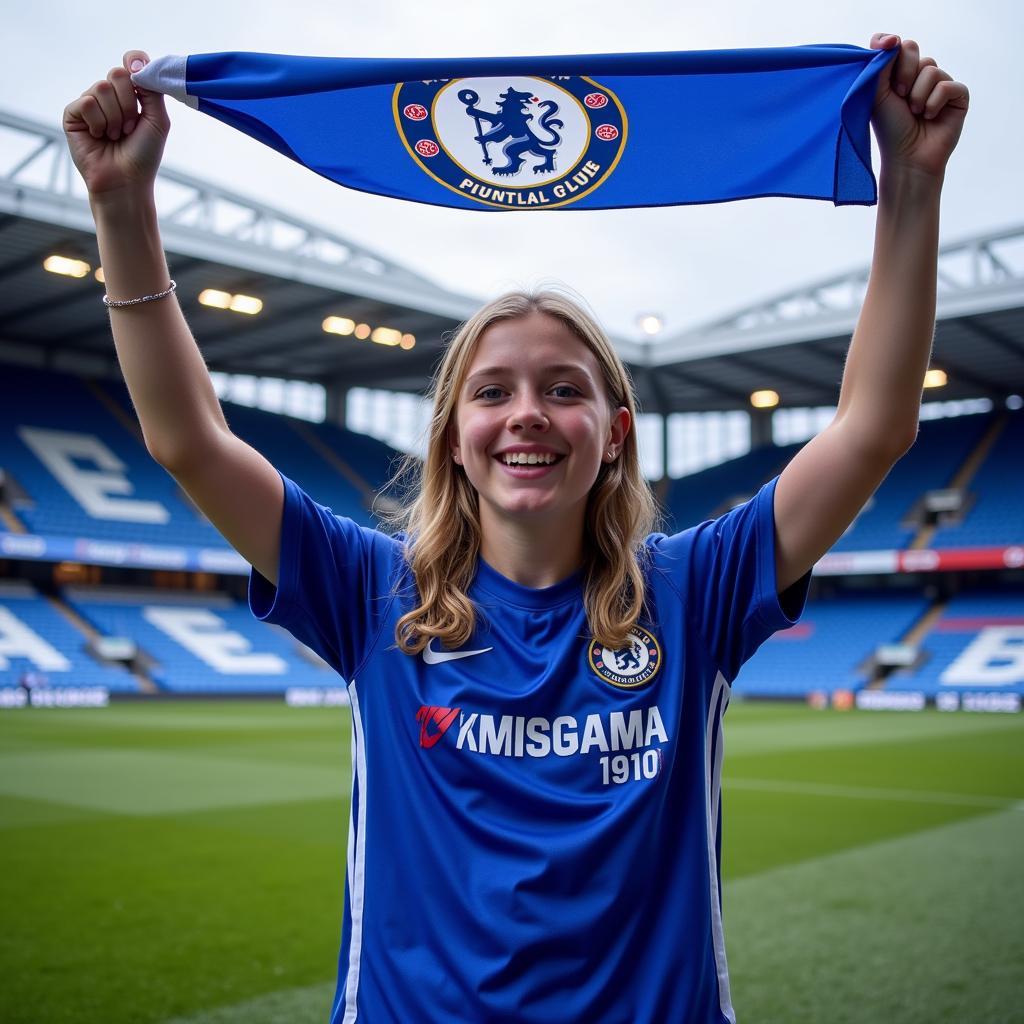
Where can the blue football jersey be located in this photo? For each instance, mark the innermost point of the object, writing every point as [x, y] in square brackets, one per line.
[535, 818]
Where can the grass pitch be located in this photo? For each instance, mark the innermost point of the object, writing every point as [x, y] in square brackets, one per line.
[184, 862]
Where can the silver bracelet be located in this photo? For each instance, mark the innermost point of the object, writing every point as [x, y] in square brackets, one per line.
[115, 303]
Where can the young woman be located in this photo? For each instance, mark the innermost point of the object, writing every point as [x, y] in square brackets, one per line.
[537, 681]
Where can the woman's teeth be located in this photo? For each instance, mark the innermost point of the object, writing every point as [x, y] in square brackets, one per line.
[528, 459]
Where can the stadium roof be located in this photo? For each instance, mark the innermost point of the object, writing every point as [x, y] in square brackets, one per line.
[793, 344]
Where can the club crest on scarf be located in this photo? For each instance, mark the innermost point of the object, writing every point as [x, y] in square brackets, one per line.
[513, 143]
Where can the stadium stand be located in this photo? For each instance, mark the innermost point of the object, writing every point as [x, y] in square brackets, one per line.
[341, 472]
[56, 451]
[996, 515]
[89, 427]
[76, 472]
[940, 450]
[977, 642]
[85, 431]
[700, 496]
[372, 460]
[828, 648]
[36, 638]
[202, 644]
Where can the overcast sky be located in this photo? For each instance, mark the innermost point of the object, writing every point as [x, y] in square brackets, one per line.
[689, 264]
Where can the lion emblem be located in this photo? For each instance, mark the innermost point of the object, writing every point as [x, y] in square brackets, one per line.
[510, 125]
[628, 658]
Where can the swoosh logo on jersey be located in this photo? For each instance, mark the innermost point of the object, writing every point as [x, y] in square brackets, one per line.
[432, 657]
[441, 718]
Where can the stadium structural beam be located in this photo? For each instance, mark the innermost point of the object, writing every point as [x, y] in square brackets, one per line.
[337, 403]
[787, 374]
[987, 385]
[96, 339]
[662, 405]
[979, 274]
[30, 260]
[216, 344]
[79, 292]
[761, 428]
[821, 348]
[688, 374]
[209, 222]
[990, 334]
[315, 346]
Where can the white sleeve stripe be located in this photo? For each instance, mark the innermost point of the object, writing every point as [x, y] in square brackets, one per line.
[356, 858]
[713, 791]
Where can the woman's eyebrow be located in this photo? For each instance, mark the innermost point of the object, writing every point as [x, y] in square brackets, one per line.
[498, 371]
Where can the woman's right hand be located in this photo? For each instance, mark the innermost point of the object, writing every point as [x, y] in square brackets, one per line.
[115, 146]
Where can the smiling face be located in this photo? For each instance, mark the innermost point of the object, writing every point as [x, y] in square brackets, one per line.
[533, 423]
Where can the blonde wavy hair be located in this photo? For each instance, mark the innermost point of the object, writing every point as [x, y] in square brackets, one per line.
[440, 511]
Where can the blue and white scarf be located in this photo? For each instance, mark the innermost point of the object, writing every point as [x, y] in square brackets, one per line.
[592, 132]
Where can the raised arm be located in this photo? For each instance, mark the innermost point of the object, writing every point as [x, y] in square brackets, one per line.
[918, 117]
[117, 149]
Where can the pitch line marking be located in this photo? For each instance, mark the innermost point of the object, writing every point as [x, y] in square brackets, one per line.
[922, 796]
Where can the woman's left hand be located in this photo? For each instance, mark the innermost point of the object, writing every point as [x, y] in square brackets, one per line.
[919, 110]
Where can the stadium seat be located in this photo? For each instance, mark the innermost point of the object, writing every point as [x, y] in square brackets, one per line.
[940, 450]
[827, 649]
[36, 638]
[996, 516]
[85, 473]
[976, 644]
[693, 499]
[202, 643]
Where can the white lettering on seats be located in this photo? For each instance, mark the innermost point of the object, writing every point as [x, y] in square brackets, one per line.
[206, 636]
[93, 489]
[995, 657]
[17, 640]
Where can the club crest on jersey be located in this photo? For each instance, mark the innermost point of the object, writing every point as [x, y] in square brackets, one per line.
[513, 143]
[629, 667]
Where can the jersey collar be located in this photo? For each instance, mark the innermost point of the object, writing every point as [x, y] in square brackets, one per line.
[493, 583]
